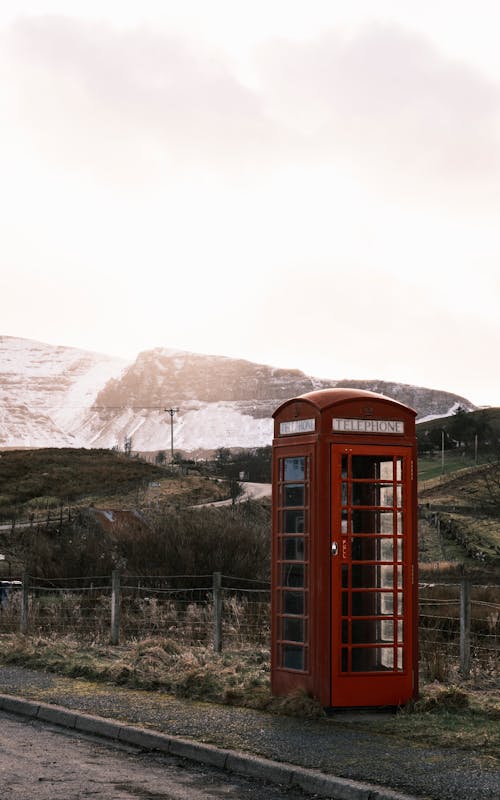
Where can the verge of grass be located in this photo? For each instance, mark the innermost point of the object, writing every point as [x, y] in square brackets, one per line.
[447, 716]
[465, 717]
[197, 673]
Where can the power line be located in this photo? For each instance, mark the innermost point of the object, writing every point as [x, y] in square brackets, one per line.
[116, 408]
[90, 408]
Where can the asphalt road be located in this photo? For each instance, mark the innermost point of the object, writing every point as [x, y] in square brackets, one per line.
[49, 763]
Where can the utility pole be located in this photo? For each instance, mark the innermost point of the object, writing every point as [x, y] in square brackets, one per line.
[172, 411]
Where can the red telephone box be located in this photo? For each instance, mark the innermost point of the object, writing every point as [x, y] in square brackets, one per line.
[344, 559]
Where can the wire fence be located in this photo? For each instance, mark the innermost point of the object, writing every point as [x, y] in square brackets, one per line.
[194, 609]
[459, 624]
[459, 629]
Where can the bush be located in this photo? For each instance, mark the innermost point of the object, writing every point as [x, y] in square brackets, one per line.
[234, 541]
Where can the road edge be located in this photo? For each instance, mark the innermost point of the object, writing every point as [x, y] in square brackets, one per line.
[238, 762]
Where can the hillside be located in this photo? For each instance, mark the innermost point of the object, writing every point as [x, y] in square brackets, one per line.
[56, 396]
[221, 400]
[33, 481]
[45, 390]
[478, 419]
[460, 516]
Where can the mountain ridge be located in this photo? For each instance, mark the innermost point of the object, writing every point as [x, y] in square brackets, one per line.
[62, 396]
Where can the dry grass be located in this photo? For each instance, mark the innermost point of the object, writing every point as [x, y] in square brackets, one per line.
[240, 678]
[449, 716]
[446, 715]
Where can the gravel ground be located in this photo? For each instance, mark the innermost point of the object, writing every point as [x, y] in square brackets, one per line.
[333, 745]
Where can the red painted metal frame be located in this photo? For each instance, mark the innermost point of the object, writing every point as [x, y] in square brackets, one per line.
[320, 679]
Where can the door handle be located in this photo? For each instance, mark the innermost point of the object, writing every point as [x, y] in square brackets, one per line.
[335, 549]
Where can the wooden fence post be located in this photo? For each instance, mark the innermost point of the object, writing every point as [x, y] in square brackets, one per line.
[465, 625]
[25, 600]
[217, 610]
[115, 607]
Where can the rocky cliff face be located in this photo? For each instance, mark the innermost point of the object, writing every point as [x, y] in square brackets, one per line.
[160, 374]
[65, 397]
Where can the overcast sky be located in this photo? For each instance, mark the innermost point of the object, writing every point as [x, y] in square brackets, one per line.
[303, 184]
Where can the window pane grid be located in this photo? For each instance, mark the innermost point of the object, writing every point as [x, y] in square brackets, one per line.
[293, 563]
[371, 524]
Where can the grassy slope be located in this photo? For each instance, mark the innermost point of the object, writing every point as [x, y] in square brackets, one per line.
[466, 512]
[37, 479]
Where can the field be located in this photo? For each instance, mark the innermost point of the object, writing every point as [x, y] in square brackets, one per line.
[33, 481]
[460, 516]
[433, 466]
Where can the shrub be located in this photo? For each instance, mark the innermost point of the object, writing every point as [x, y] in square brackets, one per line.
[202, 541]
[193, 542]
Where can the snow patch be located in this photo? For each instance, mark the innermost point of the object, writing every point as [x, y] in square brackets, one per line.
[453, 410]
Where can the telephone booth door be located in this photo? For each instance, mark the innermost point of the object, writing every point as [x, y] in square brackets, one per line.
[371, 575]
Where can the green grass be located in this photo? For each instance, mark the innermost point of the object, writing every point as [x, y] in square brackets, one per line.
[447, 717]
[467, 506]
[431, 466]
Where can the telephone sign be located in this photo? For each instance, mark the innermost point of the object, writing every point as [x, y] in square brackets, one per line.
[368, 426]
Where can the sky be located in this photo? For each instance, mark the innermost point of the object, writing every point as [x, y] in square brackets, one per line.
[311, 185]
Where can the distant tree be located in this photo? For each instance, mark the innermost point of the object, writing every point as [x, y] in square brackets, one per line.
[487, 439]
[461, 427]
[235, 489]
[433, 438]
[468, 428]
[254, 463]
[423, 442]
[160, 457]
[127, 446]
[222, 459]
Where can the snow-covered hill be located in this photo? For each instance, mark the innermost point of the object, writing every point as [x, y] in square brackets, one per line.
[61, 396]
[46, 390]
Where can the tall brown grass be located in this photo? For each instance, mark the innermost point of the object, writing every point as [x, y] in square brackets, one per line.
[194, 541]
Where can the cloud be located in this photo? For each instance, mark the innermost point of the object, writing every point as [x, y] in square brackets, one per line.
[391, 104]
[352, 322]
[94, 95]
[385, 105]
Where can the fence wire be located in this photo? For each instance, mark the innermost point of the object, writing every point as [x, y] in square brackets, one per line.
[182, 607]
